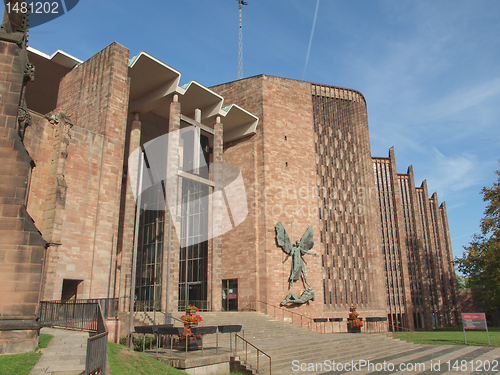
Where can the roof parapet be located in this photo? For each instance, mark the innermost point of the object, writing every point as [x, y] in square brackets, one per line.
[59, 57]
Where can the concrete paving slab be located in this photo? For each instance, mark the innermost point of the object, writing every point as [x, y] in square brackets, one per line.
[65, 354]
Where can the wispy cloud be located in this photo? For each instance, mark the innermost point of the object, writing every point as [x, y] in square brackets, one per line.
[465, 235]
[465, 98]
[452, 174]
[311, 38]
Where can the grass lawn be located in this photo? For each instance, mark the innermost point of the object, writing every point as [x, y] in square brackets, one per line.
[21, 364]
[124, 361]
[452, 336]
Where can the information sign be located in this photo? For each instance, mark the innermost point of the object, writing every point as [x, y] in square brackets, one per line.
[475, 321]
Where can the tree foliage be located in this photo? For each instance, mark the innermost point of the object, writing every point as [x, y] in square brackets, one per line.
[480, 262]
[462, 282]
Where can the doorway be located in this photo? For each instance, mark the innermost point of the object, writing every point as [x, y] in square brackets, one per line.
[70, 289]
[230, 295]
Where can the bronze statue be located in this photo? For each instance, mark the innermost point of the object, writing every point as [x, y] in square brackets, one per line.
[296, 252]
[305, 296]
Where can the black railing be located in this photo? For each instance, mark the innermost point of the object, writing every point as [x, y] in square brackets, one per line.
[97, 347]
[69, 314]
[283, 313]
[84, 315]
[202, 305]
[62, 311]
[109, 306]
[245, 344]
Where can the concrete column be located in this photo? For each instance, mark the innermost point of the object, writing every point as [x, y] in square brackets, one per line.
[398, 212]
[125, 268]
[451, 274]
[436, 282]
[170, 278]
[443, 255]
[424, 280]
[218, 202]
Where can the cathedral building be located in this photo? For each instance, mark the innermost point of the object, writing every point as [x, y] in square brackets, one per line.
[136, 185]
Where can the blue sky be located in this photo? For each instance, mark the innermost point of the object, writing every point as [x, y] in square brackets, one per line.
[429, 70]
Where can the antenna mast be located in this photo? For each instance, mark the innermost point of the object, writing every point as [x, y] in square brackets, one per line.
[240, 45]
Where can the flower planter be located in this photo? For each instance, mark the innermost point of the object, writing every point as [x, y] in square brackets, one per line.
[194, 344]
[354, 322]
[191, 320]
[354, 325]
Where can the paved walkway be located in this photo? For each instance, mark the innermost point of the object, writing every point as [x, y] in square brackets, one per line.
[65, 354]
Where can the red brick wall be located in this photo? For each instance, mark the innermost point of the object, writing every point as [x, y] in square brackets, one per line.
[95, 95]
[289, 165]
[279, 169]
[242, 240]
[469, 301]
[21, 245]
[250, 250]
[242, 255]
[39, 139]
[348, 201]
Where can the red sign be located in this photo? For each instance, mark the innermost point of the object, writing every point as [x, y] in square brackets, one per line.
[474, 321]
[474, 316]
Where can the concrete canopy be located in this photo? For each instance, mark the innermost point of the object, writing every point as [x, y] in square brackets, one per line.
[152, 87]
[154, 83]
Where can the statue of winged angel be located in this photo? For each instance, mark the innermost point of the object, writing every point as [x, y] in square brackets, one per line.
[296, 252]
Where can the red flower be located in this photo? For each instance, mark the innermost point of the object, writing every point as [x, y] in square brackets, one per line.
[190, 320]
[353, 321]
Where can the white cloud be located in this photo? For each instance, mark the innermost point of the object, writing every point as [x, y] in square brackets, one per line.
[465, 98]
[451, 174]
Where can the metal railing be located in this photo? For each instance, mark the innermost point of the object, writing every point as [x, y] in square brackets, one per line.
[109, 306]
[84, 315]
[69, 314]
[296, 318]
[202, 305]
[97, 347]
[177, 320]
[245, 344]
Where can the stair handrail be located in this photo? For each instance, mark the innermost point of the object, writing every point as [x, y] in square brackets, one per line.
[310, 321]
[173, 318]
[407, 330]
[84, 315]
[178, 320]
[236, 337]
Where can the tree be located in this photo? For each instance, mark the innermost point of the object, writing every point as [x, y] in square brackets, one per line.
[462, 282]
[480, 263]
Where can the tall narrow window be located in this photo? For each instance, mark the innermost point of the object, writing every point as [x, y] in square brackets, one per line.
[194, 249]
[150, 249]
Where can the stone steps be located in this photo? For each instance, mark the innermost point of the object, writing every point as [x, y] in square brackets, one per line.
[286, 343]
[327, 348]
[282, 362]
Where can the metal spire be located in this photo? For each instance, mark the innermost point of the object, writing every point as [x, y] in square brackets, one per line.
[240, 45]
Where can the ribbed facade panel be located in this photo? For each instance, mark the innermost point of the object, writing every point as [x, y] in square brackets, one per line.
[351, 267]
[383, 245]
[418, 263]
[391, 248]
